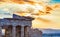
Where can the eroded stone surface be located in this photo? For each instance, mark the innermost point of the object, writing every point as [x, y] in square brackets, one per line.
[19, 27]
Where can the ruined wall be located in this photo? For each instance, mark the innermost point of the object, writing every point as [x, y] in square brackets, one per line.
[36, 33]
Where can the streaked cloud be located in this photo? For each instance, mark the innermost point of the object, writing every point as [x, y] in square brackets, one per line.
[41, 21]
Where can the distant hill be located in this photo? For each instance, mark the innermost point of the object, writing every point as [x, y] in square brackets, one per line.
[50, 31]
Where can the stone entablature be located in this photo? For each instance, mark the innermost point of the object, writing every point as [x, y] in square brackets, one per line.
[20, 20]
[15, 22]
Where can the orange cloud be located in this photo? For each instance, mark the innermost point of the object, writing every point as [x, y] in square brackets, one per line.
[37, 10]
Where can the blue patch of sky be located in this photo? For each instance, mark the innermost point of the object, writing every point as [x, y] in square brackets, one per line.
[54, 1]
[5, 14]
[2, 12]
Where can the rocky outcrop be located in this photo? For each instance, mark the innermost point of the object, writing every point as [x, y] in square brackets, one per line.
[36, 33]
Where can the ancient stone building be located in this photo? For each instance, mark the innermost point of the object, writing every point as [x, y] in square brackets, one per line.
[18, 26]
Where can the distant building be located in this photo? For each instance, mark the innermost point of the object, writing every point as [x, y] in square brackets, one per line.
[18, 26]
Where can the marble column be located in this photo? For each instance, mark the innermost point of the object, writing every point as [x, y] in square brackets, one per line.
[22, 31]
[29, 31]
[13, 31]
[0, 31]
[26, 32]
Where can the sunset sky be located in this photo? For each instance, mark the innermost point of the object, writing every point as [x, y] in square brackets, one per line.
[51, 21]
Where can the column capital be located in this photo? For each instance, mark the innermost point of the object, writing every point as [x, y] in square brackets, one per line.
[0, 25]
[22, 25]
[14, 25]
